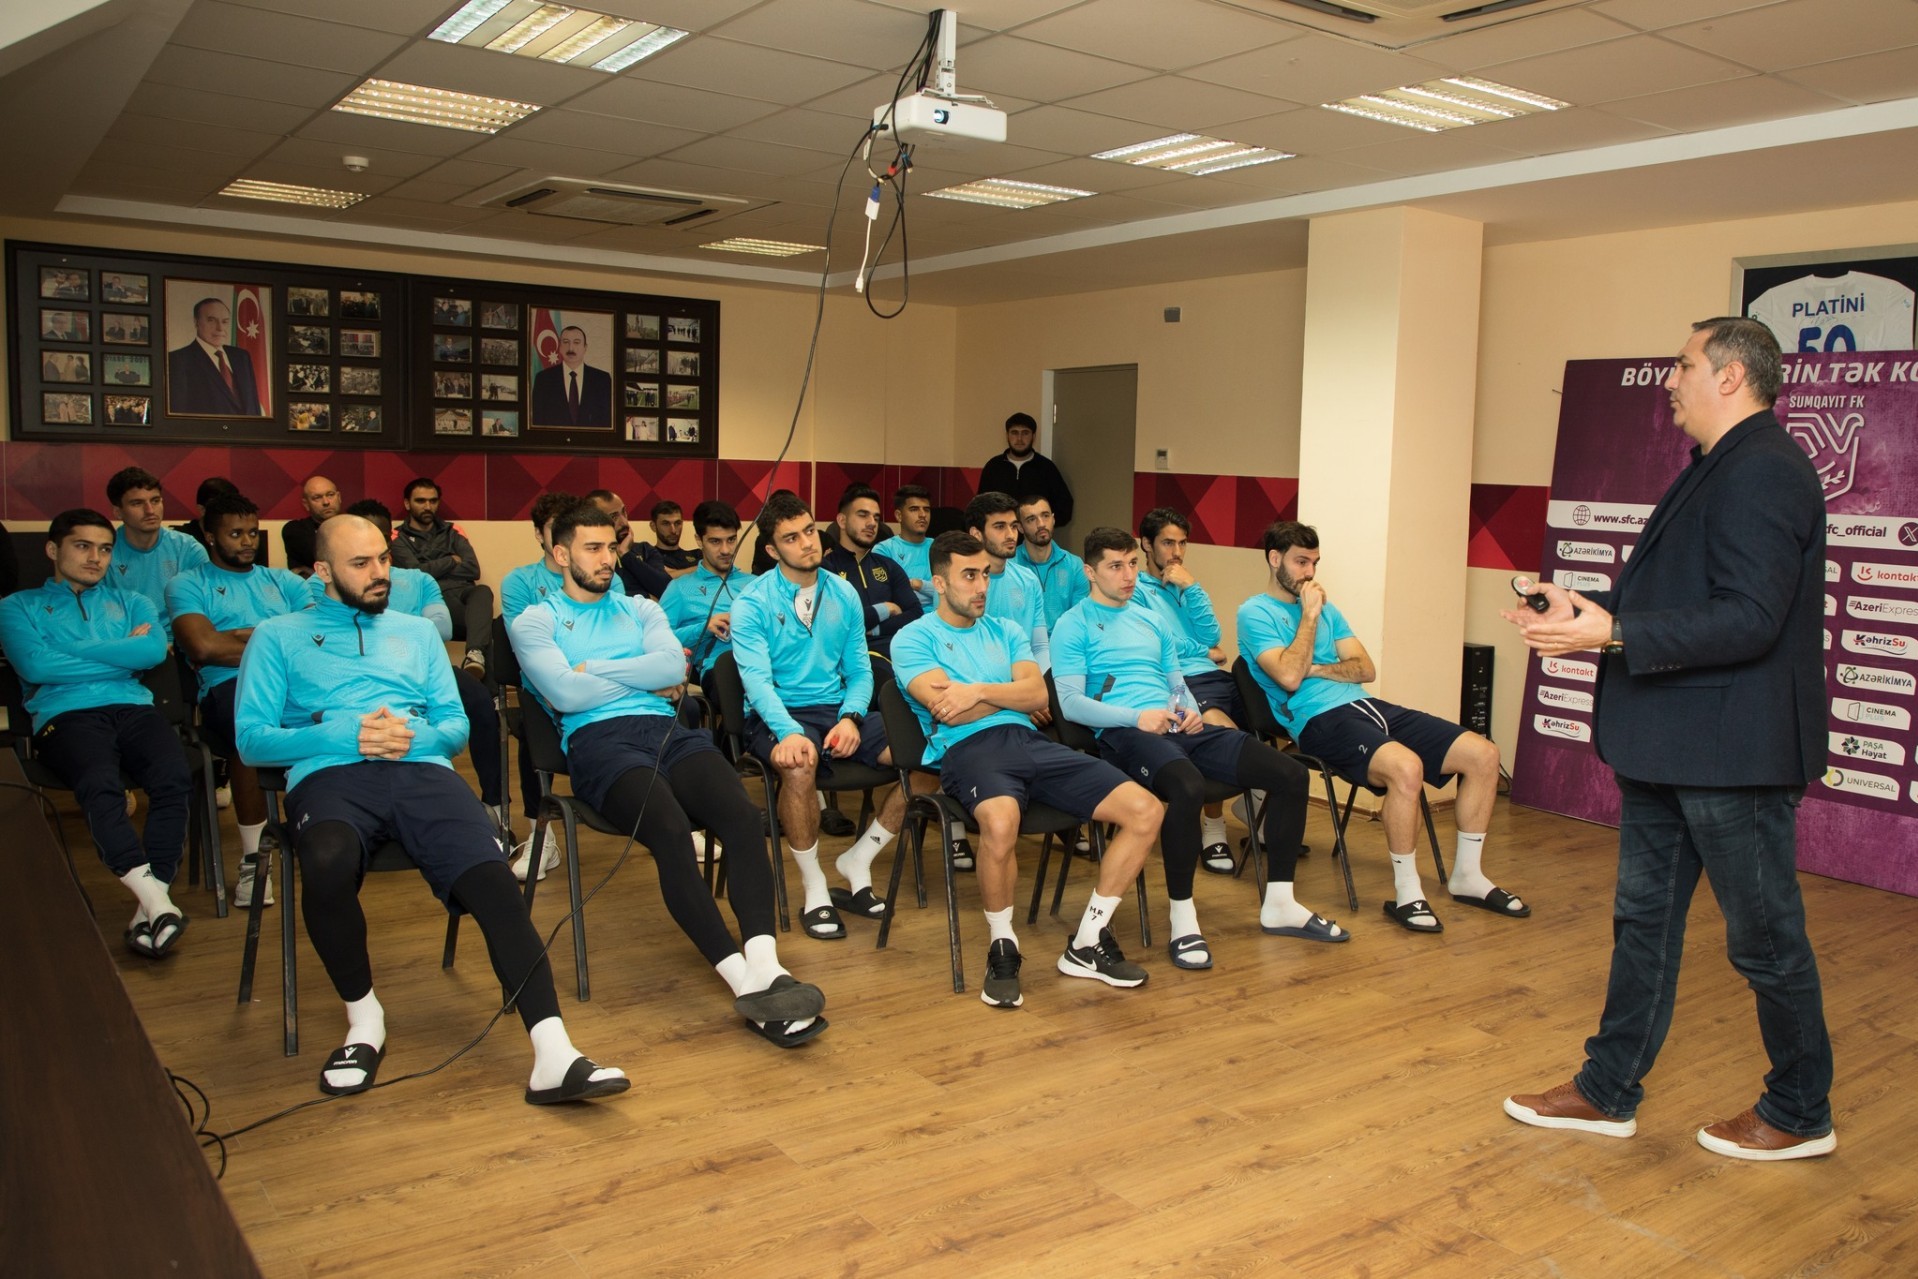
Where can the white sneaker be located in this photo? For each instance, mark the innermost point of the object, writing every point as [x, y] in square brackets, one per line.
[243, 887]
[223, 797]
[549, 855]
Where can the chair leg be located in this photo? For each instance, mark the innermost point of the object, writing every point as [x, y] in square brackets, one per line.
[1340, 850]
[771, 790]
[289, 975]
[901, 849]
[452, 938]
[1065, 865]
[1431, 833]
[952, 905]
[579, 904]
[1039, 880]
[211, 847]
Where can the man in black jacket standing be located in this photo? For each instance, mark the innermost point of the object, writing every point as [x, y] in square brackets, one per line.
[439, 549]
[1023, 471]
[1711, 710]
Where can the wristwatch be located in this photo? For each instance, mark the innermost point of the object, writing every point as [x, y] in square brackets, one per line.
[1617, 642]
[856, 718]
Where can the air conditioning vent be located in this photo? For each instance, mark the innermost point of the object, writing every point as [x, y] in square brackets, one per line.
[610, 203]
[1400, 24]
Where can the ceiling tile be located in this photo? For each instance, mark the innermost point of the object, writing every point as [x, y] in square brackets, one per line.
[860, 100]
[1311, 131]
[1428, 153]
[995, 15]
[1521, 38]
[1073, 132]
[359, 132]
[497, 75]
[868, 35]
[822, 131]
[194, 107]
[687, 15]
[1175, 104]
[234, 145]
[601, 133]
[1803, 32]
[383, 208]
[469, 174]
[1102, 175]
[726, 66]
[400, 17]
[249, 77]
[1627, 68]
[424, 188]
[1293, 177]
[629, 97]
[1316, 69]
[1713, 106]
[390, 165]
[1038, 72]
[1877, 77]
[548, 157]
[1162, 34]
[1560, 131]
[1655, 15]
[226, 28]
[748, 156]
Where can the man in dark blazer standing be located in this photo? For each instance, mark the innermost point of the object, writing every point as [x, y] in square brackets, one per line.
[1711, 710]
[207, 376]
[572, 392]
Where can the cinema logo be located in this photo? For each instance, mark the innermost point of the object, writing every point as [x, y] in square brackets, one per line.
[1566, 668]
[1871, 749]
[1879, 644]
[1568, 698]
[1876, 714]
[1854, 782]
[1572, 580]
[1877, 679]
[1572, 730]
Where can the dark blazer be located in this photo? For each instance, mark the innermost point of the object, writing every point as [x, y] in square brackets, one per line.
[550, 407]
[1722, 682]
[194, 384]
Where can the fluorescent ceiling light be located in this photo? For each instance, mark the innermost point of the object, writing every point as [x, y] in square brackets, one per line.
[765, 248]
[1005, 193]
[287, 193]
[417, 104]
[1193, 153]
[555, 33]
[1451, 103]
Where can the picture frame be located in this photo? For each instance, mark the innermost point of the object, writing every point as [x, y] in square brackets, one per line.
[569, 382]
[499, 315]
[66, 408]
[361, 419]
[682, 430]
[220, 349]
[360, 344]
[453, 312]
[499, 424]
[500, 387]
[642, 395]
[66, 366]
[310, 379]
[309, 302]
[359, 304]
[66, 326]
[66, 284]
[642, 328]
[642, 429]
[452, 386]
[125, 288]
[356, 379]
[126, 328]
[500, 352]
[117, 369]
[309, 339]
[642, 359]
[128, 410]
[309, 415]
[452, 348]
[452, 421]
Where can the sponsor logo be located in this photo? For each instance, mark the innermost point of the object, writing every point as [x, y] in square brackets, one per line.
[1832, 572]
[1876, 714]
[1855, 782]
[1876, 679]
[1581, 515]
[1575, 581]
[1624, 517]
[1566, 668]
[1879, 644]
[1908, 533]
[1888, 610]
[1570, 699]
[1899, 575]
[1876, 750]
[1572, 730]
[1603, 552]
[1830, 440]
[1831, 607]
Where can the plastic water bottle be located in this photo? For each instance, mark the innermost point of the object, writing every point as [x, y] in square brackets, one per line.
[1178, 704]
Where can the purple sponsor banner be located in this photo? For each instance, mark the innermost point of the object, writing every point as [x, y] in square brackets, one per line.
[1856, 417]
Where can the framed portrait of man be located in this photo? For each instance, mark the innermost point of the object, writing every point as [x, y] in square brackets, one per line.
[219, 349]
[570, 353]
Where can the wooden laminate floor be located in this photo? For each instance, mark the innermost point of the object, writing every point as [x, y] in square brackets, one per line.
[1300, 1110]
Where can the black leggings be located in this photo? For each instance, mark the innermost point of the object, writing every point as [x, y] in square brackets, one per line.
[1182, 787]
[330, 872]
[701, 790]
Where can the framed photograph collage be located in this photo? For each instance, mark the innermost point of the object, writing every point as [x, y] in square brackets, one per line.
[530, 368]
[105, 345]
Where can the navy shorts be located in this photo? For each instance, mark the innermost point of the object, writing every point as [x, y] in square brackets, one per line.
[1346, 737]
[600, 753]
[1214, 751]
[216, 715]
[1015, 761]
[816, 722]
[426, 807]
[1217, 691]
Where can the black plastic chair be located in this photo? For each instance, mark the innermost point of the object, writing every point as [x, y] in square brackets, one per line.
[724, 684]
[908, 742]
[389, 856]
[1262, 723]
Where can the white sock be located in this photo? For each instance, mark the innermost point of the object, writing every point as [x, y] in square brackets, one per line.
[999, 924]
[365, 1024]
[554, 1054]
[762, 965]
[1184, 917]
[1466, 879]
[1211, 830]
[1281, 909]
[821, 797]
[856, 862]
[1405, 878]
[250, 838]
[151, 892]
[811, 878]
[1099, 911]
[1246, 807]
[736, 973]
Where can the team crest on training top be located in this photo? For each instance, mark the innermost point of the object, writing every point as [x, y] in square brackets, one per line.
[878, 574]
[1830, 440]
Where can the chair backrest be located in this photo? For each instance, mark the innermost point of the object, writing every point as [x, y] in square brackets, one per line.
[542, 739]
[903, 734]
[13, 697]
[1259, 719]
[502, 664]
[725, 686]
[164, 681]
[1075, 735]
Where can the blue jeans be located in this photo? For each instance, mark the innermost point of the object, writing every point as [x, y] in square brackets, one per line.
[1744, 840]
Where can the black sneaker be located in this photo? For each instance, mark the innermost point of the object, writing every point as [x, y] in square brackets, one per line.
[1002, 975]
[1102, 961]
[835, 823]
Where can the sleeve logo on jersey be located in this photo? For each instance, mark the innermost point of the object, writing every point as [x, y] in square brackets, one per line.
[319, 641]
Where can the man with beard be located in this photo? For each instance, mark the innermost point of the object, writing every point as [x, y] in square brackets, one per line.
[1014, 594]
[799, 637]
[1061, 574]
[147, 555]
[612, 668]
[525, 586]
[699, 606]
[642, 571]
[669, 525]
[1311, 668]
[439, 549]
[79, 644]
[1117, 668]
[358, 704]
[910, 547]
[971, 680]
[215, 608]
[321, 498]
[883, 585]
[1023, 469]
[195, 528]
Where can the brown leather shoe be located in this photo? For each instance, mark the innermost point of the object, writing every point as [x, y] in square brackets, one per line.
[1749, 1137]
[1565, 1107]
